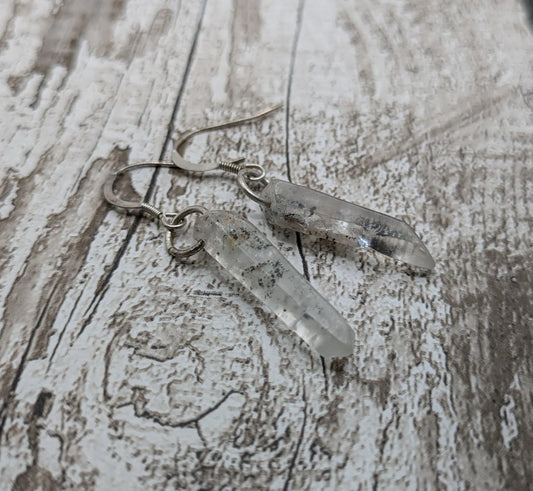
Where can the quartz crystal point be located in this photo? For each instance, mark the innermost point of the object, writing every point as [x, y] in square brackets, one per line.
[312, 212]
[249, 256]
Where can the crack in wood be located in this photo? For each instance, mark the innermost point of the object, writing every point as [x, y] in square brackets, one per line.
[382, 443]
[287, 105]
[10, 396]
[298, 443]
[161, 420]
[99, 294]
[63, 330]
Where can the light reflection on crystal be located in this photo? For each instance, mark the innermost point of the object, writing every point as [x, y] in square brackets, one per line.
[363, 242]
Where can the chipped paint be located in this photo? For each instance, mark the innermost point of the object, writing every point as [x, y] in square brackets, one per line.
[120, 368]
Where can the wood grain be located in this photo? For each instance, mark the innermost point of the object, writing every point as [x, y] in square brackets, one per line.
[120, 367]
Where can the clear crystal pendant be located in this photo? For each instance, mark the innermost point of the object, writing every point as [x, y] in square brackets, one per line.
[257, 264]
[312, 212]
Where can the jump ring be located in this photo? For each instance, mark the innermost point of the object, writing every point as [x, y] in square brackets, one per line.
[169, 221]
[184, 252]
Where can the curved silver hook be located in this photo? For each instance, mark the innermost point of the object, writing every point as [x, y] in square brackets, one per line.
[168, 220]
[182, 163]
[171, 221]
[113, 199]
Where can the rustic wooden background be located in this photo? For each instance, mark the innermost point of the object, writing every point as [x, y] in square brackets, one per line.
[120, 368]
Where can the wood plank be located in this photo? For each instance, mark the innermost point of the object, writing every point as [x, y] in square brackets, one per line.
[121, 367]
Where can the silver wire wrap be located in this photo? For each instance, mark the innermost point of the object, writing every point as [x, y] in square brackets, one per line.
[254, 174]
[233, 166]
[246, 173]
[168, 220]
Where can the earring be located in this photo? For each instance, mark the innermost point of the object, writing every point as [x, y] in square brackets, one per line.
[312, 212]
[242, 250]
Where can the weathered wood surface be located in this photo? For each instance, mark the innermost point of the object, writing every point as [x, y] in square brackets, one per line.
[121, 368]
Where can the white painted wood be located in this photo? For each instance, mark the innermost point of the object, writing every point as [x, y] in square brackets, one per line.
[121, 368]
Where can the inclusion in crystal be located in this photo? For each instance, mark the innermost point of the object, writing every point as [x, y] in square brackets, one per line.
[312, 212]
[257, 264]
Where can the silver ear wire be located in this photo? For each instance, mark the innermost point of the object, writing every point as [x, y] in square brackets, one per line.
[247, 175]
[115, 200]
[184, 164]
[168, 220]
[171, 221]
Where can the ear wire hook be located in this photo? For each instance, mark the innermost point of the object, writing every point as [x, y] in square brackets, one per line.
[231, 166]
[249, 176]
[168, 220]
